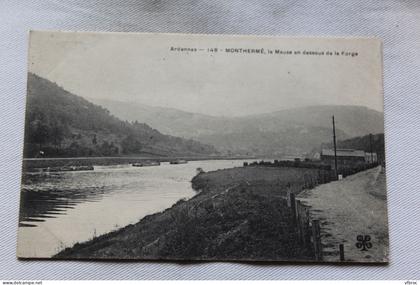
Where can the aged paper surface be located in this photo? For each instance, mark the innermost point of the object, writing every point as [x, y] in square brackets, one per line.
[203, 147]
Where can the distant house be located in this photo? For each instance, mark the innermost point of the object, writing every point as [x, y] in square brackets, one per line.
[344, 156]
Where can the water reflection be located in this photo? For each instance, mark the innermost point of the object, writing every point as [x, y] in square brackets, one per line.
[62, 208]
[46, 195]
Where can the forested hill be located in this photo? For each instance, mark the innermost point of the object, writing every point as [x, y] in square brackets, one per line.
[288, 131]
[61, 124]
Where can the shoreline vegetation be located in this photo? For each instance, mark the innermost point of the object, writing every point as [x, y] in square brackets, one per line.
[240, 214]
[33, 163]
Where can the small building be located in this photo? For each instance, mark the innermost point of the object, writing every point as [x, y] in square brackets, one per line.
[344, 156]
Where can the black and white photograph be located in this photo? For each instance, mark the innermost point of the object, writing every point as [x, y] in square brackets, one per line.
[148, 146]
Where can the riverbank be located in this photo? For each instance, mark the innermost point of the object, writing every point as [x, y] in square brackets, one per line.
[238, 214]
[33, 163]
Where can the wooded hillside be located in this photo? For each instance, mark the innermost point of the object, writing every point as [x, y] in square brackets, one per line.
[61, 124]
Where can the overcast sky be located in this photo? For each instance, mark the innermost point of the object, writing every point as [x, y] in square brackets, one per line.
[141, 68]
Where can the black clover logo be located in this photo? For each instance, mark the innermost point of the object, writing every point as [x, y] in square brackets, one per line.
[363, 242]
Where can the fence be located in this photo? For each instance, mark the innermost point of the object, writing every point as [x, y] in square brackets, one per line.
[325, 172]
[308, 230]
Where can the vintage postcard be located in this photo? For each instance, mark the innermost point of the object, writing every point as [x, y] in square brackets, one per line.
[203, 147]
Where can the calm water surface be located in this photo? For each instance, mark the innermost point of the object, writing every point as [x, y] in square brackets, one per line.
[60, 209]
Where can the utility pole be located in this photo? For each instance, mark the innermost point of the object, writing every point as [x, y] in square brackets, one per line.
[371, 148]
[335, 149]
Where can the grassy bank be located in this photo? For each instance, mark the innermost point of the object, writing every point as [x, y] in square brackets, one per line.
[238, 214]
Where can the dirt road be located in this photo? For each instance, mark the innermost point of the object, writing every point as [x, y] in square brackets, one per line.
[348, 208]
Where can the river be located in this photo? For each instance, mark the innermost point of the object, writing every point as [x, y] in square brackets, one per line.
[60, 209]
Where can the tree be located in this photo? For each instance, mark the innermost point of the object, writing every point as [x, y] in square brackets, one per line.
[39, 133]
[57, 134]
[131, 145]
